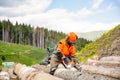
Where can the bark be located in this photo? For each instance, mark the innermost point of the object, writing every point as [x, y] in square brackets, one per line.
[41, 38]
[61, 72]
[112, 72]
[40, 35]
[111, 58]
[6, 38]
[28, 73]
[37, 37]
[20, 36]
[16, 35]
[11, 36]
[33, 37]
[112, 64]
[4, 75]
[3, 33]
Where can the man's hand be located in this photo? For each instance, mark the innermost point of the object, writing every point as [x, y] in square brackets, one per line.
[72, 63]
[74, 59]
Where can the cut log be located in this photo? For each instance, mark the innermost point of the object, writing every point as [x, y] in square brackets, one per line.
[111, 64]
[4, 75]
[67, 74]
[101, 70]
[28, 73]
[44, 68]
[61, 72]
[111, 58]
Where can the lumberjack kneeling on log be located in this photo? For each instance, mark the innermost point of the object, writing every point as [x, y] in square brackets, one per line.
[64, 53]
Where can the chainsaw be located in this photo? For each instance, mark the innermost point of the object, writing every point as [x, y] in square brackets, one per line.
[71, 67]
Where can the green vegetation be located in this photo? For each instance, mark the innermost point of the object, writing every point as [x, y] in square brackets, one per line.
[81, 42]
[99, 46]
[23, 34]
[28, 35]
[19, 53]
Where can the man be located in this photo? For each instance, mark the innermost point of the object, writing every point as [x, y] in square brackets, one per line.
[64, 52]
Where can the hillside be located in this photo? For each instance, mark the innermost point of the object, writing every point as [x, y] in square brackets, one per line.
[107, 45]
[20, 53]
[91, 35]
[92, 69]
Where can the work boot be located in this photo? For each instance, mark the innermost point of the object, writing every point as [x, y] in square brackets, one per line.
[52, 71]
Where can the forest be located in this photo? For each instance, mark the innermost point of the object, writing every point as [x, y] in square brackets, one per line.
[34, 36]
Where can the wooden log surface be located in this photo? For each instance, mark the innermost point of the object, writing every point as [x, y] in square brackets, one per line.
[28, 73]
[97, 67]
[61, 72]
[112, 64]
[112, 72]
[111, 58]
[4, 75]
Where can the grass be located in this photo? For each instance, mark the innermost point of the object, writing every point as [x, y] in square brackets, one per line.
[100, 45]
[20, 53]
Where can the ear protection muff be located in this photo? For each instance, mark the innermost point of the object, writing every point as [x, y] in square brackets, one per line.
[76, 37]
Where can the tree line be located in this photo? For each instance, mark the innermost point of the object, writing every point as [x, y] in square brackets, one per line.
[29, 35]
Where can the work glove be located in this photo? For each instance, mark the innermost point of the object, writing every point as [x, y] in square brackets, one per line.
[74, 59]
[71, 63]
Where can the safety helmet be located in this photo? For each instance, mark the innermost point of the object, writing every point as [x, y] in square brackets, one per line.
[71, 38]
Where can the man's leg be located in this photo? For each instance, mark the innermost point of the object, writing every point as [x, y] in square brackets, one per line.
[54, 64]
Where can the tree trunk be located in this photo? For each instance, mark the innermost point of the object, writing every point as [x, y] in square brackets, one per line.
[33, 37]
[41, 38]
[3, 33]
[6, 36]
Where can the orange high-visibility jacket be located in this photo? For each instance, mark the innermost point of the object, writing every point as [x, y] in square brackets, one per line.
[65, 48]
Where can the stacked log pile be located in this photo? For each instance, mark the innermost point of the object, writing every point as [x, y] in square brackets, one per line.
[108, 66]
[105, 68]
[4, 75]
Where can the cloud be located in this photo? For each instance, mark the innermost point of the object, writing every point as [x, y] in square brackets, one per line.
[11, 3]
[96, 4]
[35, 12]
[29, 7]
[110, 7]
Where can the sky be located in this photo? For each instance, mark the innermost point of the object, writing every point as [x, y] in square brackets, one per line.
[63, 15]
